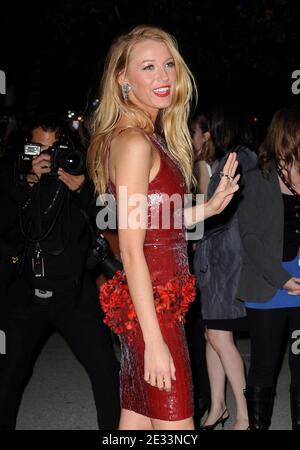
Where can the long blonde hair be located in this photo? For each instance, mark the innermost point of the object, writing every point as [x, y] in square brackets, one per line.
[172, 121]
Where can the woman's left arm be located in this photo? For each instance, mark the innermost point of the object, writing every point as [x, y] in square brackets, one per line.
[223, 195]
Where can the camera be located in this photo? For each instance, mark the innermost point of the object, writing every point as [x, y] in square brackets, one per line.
[102, 257]
[62, 153]
[25, 159]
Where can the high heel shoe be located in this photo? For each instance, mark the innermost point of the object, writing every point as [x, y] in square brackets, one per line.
[221, 420]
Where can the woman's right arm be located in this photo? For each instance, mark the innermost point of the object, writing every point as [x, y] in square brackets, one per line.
[132, 161]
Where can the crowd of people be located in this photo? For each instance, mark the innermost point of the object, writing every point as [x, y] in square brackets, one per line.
[176, 306]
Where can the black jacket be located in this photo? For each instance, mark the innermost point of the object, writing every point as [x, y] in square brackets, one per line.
[261, 219]
[16, 289]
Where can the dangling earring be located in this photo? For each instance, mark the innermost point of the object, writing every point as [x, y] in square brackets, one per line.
[126, 88]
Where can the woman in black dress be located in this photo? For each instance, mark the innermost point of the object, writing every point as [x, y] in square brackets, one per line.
[217, 265]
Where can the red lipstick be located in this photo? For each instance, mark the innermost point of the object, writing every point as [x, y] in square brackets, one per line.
[162, 91]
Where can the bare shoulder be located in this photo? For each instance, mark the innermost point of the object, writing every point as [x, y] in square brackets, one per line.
[131, 156]
[131, 159]
[132, 141]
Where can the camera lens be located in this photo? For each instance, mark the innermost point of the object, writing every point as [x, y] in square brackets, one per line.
[72, 162]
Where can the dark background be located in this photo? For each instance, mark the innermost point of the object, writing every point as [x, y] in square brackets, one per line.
[53, 52]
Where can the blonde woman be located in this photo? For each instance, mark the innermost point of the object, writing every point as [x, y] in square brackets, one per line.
[141, 144]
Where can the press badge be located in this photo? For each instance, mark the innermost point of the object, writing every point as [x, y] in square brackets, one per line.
[38, 267]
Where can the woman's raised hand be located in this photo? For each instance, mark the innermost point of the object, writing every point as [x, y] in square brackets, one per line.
[227, 186]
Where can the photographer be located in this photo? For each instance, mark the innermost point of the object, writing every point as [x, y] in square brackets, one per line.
[44, 245]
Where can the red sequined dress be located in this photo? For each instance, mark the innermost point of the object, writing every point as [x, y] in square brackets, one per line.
[165, 250]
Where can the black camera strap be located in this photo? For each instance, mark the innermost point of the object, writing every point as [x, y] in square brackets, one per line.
[42, 235]
[25, 250]
[90, 226]
[37, 260]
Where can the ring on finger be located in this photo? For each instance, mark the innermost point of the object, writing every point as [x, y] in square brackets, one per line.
[223, 174]
[227, 175]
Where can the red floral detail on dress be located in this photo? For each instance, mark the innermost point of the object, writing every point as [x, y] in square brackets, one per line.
[175, 296]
